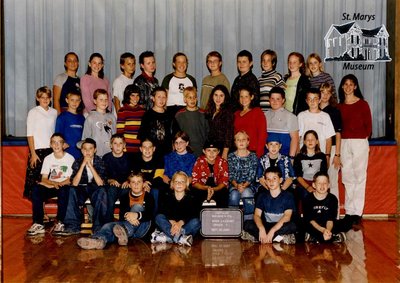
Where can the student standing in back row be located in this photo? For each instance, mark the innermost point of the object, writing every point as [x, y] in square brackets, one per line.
[92, 80]
[66, 82]
[177, 81]
[146, 81]
[216, 77]
[245, 78]
[127, 65]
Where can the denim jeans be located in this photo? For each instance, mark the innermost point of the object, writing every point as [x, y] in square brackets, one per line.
[287, 228]
[190, 228]
[106, 232]
[77, 198]
[40, 194]
[114, 193]
[248, 201]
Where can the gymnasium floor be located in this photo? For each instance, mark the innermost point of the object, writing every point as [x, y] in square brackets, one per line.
[369, 255]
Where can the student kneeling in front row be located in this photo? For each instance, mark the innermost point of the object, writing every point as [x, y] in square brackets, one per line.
[273, 213]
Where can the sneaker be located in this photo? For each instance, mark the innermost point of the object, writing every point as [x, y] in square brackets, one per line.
[36, 229]
[246, 236]
[154, 236]
[339, 238]
[121, 234]
[162, 238]
[185, 240]
[58, 228]
[91, 243]
[69, 232]
[309, 238]
[289, 239]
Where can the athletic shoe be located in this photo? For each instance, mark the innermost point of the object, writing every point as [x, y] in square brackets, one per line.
[58, 228]
[288, 239]
[185, 240]
[69, 232]
[91, 243]
[154, 236]
[246, 236]
[121, 234]
[36, 229]
[161, 238]
[339, 238]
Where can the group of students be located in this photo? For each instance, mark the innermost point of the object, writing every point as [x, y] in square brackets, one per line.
[146, 145]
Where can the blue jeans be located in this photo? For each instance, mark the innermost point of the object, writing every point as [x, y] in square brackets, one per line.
[40, 194]
[190, 228]
[248, 201]
[114, 193]
[77, 198]
[106, 232]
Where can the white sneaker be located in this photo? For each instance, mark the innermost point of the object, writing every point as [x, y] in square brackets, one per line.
[186, 240]
[36, 229]
[154, 236]
[162, 238]
[58, 228]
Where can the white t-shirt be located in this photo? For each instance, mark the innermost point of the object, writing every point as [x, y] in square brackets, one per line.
[319, 122]
[119, 85]
[40, 125]
[175, 90]
[58, 169]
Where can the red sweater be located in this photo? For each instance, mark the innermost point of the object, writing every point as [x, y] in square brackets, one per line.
[254, 123]
[356, 120]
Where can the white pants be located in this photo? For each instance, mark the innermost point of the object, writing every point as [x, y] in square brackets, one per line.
[354, 154]
[334, 177]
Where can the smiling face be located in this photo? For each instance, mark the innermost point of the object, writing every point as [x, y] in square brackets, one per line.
[321, 184]
[245, 99]
[73, 102]
[101, 102]
[134, 99]
[160, 99]
[214, 64]
[294, 64]
[219, 98]
[273, 148]
[56, 144]
[136, 184]
[147, 148]
[349, 87]
[315, 66]
[72, 63]
[44, 100]
[211, 154]
[179, 183]
[266, 63]
[180, 145]
[180, 65]
[96, 64]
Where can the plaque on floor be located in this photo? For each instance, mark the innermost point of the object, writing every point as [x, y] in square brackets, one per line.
[221, 222]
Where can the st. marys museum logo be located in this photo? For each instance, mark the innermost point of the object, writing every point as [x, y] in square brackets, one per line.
[350, 43]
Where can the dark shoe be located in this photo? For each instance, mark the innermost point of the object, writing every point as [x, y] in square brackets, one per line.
[69, 232]
[339, 238]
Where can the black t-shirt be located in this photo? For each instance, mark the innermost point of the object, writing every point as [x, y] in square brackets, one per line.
[320, 211]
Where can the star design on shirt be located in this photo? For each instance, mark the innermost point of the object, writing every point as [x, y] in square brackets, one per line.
[310, 165]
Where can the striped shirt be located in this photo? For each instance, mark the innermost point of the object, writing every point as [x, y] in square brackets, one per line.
[267, 81]
[128, 123]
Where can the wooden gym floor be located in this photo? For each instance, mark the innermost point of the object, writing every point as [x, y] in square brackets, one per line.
[368, 255]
